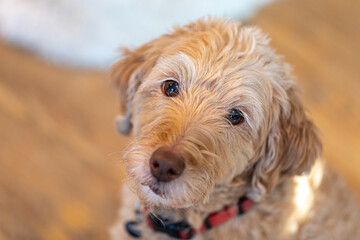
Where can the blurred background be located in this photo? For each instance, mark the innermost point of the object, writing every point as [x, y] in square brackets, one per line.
[60, 157]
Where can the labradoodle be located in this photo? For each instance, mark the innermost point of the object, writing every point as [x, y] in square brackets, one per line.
[222, 146]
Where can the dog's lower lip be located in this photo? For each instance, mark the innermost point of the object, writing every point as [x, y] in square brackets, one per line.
[148, 182]
[155, 188]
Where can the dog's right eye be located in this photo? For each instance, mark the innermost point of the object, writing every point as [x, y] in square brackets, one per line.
[235, 116]
[170, 88]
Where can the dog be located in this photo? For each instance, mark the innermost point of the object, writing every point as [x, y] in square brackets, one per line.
[222, 146]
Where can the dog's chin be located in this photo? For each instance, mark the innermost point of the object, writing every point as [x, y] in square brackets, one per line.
[164, 195]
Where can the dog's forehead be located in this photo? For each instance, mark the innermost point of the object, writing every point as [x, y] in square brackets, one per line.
[210, 68]
[216, 57]
[221, 67]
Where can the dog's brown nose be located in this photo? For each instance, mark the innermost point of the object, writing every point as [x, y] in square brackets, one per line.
[166, 165]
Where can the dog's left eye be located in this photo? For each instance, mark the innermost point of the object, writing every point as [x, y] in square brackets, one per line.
[170, 88]
[235, 116]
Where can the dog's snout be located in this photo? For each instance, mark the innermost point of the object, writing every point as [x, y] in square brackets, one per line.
[166, 165]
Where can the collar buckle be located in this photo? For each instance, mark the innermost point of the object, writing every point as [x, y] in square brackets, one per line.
[180, 230]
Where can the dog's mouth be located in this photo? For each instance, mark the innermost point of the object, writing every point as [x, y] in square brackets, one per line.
[158, 189]
[156, 186]
[179, 193]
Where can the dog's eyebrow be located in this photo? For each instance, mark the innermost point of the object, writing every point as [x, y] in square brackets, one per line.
[177, 66]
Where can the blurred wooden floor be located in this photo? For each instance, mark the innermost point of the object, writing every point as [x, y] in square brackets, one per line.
[60, 167]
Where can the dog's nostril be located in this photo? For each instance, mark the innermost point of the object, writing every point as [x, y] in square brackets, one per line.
[155, 164]
[171, 172]
[166, 165]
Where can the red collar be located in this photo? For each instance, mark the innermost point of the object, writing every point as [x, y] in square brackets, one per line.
[183, 230]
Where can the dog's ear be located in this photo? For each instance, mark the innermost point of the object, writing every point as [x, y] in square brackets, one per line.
[128, 73]
[292, 146]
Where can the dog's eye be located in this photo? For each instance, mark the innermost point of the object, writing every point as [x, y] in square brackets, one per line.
[170, 88]
[235, 116]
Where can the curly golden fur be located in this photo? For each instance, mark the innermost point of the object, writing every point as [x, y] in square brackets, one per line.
[273, 157]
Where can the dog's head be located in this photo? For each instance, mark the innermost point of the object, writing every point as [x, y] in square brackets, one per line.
[210, 103]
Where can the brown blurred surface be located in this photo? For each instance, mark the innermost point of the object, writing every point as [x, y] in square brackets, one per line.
[60, 167]
[59, 154]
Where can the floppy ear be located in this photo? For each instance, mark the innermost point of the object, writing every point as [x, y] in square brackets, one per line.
[128, 73]
[292, 146]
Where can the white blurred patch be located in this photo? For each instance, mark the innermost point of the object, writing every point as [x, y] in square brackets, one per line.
[86, 33]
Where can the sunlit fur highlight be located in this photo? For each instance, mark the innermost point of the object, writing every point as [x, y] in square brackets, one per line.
[220, 65]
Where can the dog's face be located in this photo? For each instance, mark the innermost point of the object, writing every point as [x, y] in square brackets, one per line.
[208, 104]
